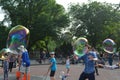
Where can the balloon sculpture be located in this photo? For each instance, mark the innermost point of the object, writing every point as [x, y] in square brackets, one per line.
[109, 46]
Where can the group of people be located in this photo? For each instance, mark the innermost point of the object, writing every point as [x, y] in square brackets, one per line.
[89, 58]
[23, 63]
[8, 64]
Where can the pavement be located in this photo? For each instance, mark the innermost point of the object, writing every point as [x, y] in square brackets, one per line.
[12, 77]
[37, 73]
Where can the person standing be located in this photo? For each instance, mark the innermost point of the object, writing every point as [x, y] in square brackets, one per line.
[53, 66]
[68, 65]
[89, 69]
[11, 62]
[18, 73]
[5, 66]
[96, 54]
[110, 59]
[24, 63]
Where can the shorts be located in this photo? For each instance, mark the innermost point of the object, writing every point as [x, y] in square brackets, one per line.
[52, 73]
[24, 69]
[67, 67]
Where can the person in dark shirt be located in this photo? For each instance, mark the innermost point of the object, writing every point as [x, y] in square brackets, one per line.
[11, 62]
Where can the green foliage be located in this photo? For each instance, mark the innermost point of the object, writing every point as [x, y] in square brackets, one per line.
[42, 17]
[3, 36]
[80, 48]
[45, 19]
[97, 21]
[47, 44]
[51, 46]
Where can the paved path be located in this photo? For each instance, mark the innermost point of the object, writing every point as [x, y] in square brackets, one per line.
[40, 70]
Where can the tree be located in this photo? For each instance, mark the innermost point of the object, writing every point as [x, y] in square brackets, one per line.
[94, 20]
[3, 36]
[42, 17]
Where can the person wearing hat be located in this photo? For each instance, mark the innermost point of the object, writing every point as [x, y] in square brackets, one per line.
[53, 66]
[24, 62]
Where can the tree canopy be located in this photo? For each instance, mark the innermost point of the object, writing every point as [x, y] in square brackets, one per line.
[96, 21]
[43, 18]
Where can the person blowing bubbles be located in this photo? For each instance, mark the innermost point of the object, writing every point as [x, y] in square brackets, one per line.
[89, 59]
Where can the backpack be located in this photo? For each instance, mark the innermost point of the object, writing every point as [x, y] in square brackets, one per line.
[25, 59]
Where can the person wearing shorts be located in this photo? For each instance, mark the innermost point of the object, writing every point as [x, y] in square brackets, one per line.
[53, 66]
[52, 73]
[68, 65]
[24, 62]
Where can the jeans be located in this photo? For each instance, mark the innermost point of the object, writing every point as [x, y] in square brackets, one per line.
[5, 75]
[89, 76]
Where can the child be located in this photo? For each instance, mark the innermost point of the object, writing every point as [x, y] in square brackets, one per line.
[5, 66]
[63, 75]
[53, 66]
[68, 65]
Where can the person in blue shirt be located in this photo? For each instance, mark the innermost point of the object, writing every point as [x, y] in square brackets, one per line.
[24, 61]
[89, 59]
[53, 66]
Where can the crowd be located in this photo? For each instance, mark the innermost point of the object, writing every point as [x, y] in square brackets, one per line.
[92, 60]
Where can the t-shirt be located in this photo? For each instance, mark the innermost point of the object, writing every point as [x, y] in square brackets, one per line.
[89, 64]
[54, 66]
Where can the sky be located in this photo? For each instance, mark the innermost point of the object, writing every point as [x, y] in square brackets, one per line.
[66, 3]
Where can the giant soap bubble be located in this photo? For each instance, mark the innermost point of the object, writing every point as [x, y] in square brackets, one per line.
[109, 46]
[18, 35]
[79, 46]
[3, 52]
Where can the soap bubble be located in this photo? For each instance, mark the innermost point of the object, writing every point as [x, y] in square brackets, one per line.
[18, 35]
[109, 46]
[79, 46]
